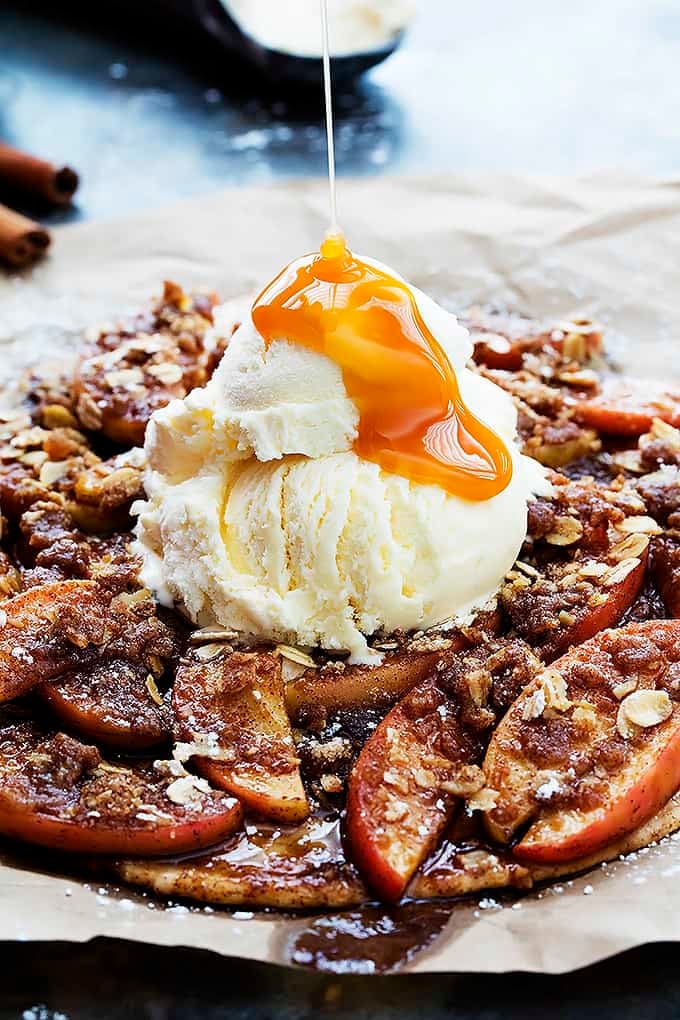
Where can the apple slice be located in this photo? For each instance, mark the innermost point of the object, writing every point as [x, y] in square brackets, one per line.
[113, 703]
[591, 749]
[663, 823]
[341, 686]
[368, 686]
[661, 492]
[51, 629]
[572, 601]
[238, 698]
[37, 636]
[57, 792]
[300, 869]
[411, 774]
[501, 345]
[628, 407]
[557, 445]
[621, 586]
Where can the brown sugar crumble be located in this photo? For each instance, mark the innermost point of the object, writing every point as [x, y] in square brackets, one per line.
[130, 736]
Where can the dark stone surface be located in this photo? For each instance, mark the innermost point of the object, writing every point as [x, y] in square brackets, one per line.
[149, 112]
[109, 980]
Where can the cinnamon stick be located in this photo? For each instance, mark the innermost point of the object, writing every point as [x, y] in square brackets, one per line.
[22, 241]
[36, 177]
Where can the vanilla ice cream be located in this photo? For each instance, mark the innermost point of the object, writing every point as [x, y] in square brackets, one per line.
[260, 517]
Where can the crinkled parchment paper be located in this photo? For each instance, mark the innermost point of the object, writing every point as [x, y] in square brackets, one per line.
[608, 247]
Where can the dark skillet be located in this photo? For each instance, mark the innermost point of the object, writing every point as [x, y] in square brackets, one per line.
[279, 66]
[187, 23]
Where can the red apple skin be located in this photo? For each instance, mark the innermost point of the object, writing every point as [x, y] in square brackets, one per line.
[625, 406]
[194, 834]
[239, 696]
[644, 768]
[386, 854]
[109, 704]
[404, 787]
[58, 792]
[543, 844]
[373, 686]
[594, 619]
[388, 883]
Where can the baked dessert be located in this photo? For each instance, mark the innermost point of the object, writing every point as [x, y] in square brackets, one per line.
[178, 717]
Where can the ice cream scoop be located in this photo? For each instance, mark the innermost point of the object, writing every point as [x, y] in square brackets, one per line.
[282, 505]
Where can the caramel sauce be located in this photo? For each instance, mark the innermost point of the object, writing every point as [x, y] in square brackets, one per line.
[412, 418]
[370, 940]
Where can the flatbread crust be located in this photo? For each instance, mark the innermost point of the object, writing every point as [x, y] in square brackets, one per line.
[662, 824]
[336, 885]
[480, 869]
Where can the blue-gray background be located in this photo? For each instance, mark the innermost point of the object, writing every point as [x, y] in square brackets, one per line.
[489, 85]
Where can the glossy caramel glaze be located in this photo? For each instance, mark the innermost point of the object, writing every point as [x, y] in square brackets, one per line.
[412, 418]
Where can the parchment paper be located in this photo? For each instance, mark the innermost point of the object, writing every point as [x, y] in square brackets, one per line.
[607, 246]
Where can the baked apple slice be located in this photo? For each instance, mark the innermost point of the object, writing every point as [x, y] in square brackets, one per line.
[237, 699]
[98, 498]
[340, 686]
[558, 444]
[49, 549]
[573, 603]
[398, 799]
[114, 703]
[46, 631]
[628, 407]
[60, 793]
[660, 825]
[591, 749]
[501, 342]
[298, 869]
[422, 760]
[584, 567]
[661, 493]
[658, 449]
[545, 418]
[51, 629]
